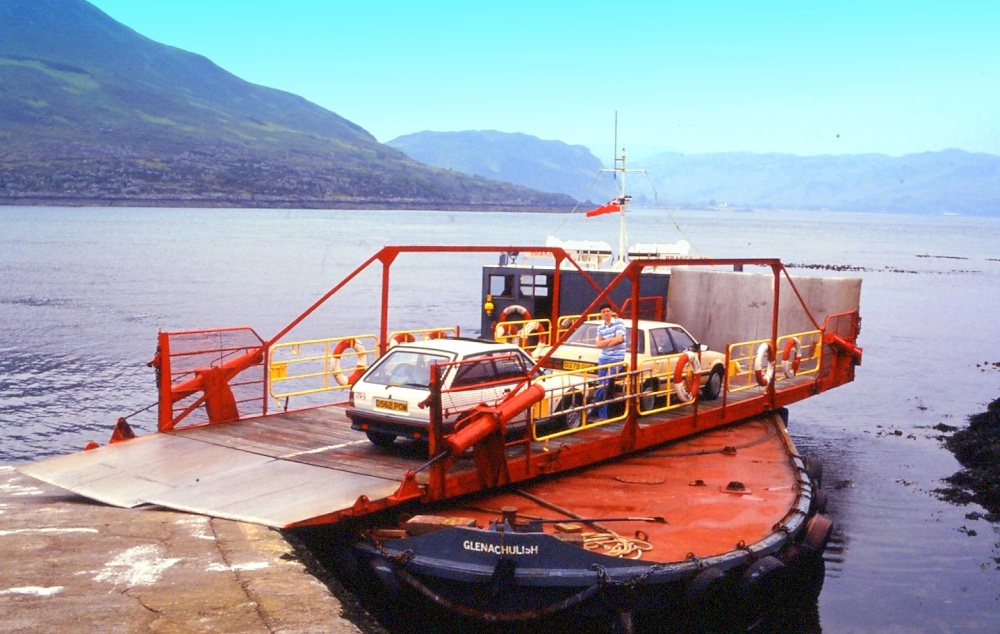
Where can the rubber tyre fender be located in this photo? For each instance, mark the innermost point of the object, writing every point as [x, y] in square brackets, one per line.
[819, 528]
[704, 584]
[814, 469]
[818, 502]
[761, 578]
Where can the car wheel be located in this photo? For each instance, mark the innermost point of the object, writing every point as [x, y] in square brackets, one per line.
[571, 419]
[381, 439]
[713, 386]
[648, 401]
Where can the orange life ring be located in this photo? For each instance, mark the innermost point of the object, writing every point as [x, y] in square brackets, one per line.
[502, 328]
[763, 364]
[687, 374]
[791, 357]
[436, 334]
[401, 337]
[359, 368]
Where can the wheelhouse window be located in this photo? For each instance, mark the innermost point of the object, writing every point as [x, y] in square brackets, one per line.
[534, 285]
[502, 285]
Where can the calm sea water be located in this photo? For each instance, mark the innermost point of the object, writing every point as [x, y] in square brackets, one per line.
[83, 293]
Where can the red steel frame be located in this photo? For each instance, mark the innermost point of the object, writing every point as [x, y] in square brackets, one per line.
[844, 353]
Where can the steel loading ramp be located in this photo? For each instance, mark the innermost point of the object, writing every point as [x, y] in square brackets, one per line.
[201, 473]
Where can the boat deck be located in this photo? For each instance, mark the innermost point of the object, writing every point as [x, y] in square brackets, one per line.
[308, 465]
[700, 496]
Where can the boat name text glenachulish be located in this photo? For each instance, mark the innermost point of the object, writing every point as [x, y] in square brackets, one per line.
[499, 549]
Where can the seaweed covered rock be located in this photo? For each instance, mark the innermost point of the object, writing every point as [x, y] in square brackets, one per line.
[977, 448]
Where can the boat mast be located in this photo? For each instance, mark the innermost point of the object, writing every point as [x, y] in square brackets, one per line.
[623, 198]
[623, 201]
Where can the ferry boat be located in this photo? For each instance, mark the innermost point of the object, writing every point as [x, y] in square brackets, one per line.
[668, 498]
[704, 534]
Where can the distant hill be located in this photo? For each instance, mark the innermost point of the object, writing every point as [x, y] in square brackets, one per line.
[932, 182]
[93, 112]
[550, 166]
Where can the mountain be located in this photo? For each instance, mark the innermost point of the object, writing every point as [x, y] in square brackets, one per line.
[550, 166]
[95, 113]
[931, 182]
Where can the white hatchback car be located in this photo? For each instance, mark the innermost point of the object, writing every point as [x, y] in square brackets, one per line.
[658, 346]
[391, 398]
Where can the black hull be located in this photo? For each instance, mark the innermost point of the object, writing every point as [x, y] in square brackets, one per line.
[782, 601]
[726, 593]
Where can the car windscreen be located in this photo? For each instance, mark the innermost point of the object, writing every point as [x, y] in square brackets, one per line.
[586, 335]
[682, 340]
[410, 368]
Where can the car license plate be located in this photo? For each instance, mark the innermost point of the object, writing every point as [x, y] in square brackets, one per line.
[395, 406]
[576, 365]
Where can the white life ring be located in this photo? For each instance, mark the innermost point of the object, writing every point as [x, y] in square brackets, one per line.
[791, 357]
[500, 332]
[763, 364]
[686, 381]
[531, 328]
[359, 368]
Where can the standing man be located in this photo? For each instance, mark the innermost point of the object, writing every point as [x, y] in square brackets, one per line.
[611, 342]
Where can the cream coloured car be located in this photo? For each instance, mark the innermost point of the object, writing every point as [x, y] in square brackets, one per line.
[659, 345]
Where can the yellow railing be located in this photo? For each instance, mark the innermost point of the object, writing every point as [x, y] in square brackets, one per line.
[422, 334]
[590, 398]
[319, 365]
[759, 365]
[566, 321]
[657, 387]
[526, 333]
[653, 390]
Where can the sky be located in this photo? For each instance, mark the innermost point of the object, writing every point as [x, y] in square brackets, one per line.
[807, 77]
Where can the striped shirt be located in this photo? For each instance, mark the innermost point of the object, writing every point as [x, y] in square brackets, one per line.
[616, 352]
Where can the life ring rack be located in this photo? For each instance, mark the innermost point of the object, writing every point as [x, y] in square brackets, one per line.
[358, 349]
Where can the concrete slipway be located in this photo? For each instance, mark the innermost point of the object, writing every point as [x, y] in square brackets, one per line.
[72, 565]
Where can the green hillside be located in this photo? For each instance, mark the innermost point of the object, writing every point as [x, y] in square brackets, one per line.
[94, 113]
